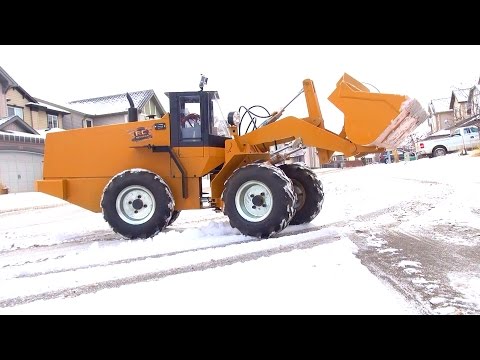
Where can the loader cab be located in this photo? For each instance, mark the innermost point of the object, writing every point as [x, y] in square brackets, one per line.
[196, 119]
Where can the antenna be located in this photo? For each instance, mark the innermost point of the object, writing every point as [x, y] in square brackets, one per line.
[203, 82]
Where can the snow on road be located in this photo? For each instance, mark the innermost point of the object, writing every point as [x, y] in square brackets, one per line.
[58, 258]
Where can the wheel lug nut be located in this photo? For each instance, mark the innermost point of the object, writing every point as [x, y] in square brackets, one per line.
[254, 207]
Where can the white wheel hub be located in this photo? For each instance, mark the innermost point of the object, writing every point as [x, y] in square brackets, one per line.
[254, 201]
[135, 204]
[300, 191]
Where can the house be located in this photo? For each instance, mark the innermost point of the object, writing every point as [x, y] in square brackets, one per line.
[21, 154]
[106, 110]
[459, 105]
[441, 116]
[474, 100]
[473, 107]
[21, 145]
[14, 100]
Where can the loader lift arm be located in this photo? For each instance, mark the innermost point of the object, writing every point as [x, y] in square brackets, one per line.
[291, 128]
[310, 129]
[373, 121]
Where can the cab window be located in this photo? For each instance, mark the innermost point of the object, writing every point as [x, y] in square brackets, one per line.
[190, 115]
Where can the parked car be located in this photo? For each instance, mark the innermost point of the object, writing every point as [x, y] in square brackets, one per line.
[462, 138]
[387, 156]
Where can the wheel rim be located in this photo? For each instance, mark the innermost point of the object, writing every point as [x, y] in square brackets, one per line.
[135, 205]
[254, 201]
[300, 191]
[440, 152]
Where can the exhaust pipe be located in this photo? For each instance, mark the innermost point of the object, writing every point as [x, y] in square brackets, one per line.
[132, 110]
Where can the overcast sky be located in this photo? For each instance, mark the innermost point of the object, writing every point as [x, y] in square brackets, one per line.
[268, 75]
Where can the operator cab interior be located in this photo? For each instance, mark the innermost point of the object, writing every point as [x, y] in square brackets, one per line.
[196, 119]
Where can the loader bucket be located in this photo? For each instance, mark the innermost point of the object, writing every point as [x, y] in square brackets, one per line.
[375, 119]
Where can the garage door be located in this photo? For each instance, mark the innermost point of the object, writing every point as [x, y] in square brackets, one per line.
[19, 170]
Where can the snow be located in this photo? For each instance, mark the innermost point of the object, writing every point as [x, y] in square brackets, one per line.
[49, 107]
[201, 265]
[43, 132]
[440, 105]
[20, 133]
[443, 132]
[100, 109]
[241, 289]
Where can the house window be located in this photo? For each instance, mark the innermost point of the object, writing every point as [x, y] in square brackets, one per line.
[13, 110]
[52, 121]
[88, 123]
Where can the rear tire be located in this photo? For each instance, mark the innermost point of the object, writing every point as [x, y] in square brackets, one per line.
[137, 204]
[439, 151]
[259, 200]
[309, 191]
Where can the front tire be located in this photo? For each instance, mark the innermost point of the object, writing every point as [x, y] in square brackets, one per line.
[259, 200]
[309, 190]
[175, 215]
[137, 204]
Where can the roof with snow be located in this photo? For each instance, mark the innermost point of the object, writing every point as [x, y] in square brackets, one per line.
[470, 94]
[20, 133]
[6, 79]
[4, 122]
[46, 107]
[461, 95]
[8, 82]
[113, 104]
[439, 105]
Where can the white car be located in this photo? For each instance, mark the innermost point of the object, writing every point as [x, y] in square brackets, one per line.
[462, 138]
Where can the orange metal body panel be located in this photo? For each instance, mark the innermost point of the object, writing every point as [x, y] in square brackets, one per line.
[104, 151]
[56, 188]
[79, 163]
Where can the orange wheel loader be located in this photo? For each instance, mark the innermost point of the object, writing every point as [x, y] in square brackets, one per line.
[142, 174]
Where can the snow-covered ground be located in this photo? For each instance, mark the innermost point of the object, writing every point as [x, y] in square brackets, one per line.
[381, 245]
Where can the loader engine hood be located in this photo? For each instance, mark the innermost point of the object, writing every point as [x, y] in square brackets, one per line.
[375, 119]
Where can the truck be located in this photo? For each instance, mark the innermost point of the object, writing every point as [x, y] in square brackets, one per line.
[460, 139]
[144, 173]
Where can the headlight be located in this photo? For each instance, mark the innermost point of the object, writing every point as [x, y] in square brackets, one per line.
[233, 118]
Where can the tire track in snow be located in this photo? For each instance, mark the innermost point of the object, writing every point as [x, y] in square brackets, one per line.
[16, 211]
[140, 258]
[429, 257]
[214, 263]
[425, 280]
